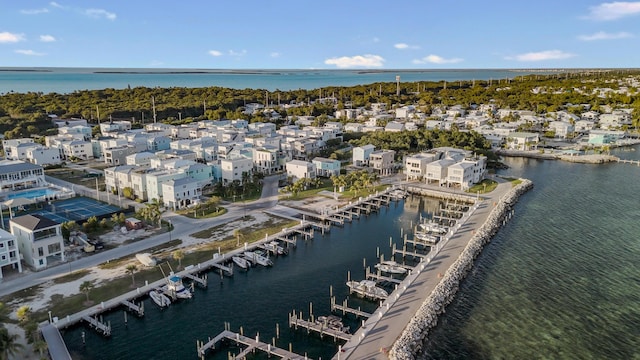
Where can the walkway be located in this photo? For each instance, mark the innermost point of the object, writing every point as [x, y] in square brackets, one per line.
[57, 348]
[387, 323]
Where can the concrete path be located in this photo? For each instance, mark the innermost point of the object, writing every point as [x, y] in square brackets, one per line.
[381, 331]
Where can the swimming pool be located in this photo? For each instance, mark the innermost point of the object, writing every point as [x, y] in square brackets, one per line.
[33, 194]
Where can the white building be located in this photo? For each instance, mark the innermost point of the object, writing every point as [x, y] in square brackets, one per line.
[11, 151]
[9, 252]
[17, 175]
[415, 166]
[298, 169]
[43, 156]
[39, 239]
[233, 168]
[562, 129]
[77, 149]
[522, 141]
[180, 193]
[361, 154]
[437, 171]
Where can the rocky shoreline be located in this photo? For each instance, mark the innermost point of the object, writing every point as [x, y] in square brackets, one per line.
[409, 343]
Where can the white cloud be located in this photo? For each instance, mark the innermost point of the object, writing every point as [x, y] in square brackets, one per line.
[403, 46]
[34, 11]
[100, 13]
[215, 53]
[55, 4]
[29, 52]
[613, 10]
[7, 37]
[367, 60]
[541, 56]
[435, 59]
[47, 38]
[275, 54]
[237, 53]
[601, 35]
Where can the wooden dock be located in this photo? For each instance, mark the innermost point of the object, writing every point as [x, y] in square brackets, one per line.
[202, 281]
[632, 162]
[345, 309]
[137, 309]
[379, 277]
[104, 329]
[252, 344]
[296, 321]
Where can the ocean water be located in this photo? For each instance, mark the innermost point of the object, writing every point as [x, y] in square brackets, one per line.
[561, 280]
[67, 80]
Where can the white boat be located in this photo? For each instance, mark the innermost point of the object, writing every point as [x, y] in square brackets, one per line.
[176, 289]
[159, 298]
[433, 227]
[427, 238]
[332, 322]
[241, 262]
[390, 267]
[368, 289]
[257, 258]
[146, 259]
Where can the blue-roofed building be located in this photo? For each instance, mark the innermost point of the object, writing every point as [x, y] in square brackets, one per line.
[326, 167]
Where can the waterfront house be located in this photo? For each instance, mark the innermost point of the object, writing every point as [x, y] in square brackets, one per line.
[382, 161]
[299, 169]
[39, 239]
[437, 171]
[415, 166]
[9, 252]
[605, 137]
[562, 129]
[522, 141]
[361, 154]
[326, 167]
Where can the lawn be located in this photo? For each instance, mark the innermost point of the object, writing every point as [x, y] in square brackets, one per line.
[483, 187]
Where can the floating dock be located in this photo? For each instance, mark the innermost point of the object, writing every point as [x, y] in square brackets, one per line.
[252, 344]
[296, 321]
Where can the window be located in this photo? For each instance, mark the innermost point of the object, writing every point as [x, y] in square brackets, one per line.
[3, 258]
[40, 252]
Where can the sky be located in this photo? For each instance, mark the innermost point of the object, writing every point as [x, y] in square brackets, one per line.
[329, 34]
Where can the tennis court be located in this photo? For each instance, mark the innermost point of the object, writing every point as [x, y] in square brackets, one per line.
[77, 209]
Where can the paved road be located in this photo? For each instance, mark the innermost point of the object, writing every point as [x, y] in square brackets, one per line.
[182, 226]
[382, 332]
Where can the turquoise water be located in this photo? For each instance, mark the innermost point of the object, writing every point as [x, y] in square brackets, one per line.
[561, 280]
[66, 80]
[32, 194]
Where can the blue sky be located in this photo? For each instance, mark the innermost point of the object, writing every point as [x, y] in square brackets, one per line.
[330, 34]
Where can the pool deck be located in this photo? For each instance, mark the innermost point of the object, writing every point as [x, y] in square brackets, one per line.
[382, 329]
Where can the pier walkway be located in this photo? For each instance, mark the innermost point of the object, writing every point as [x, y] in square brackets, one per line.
[386, 324]
[57, 348]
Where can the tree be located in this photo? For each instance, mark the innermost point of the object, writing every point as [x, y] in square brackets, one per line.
[128, 193]
[23, 313]
[41, 347]
[131, 269]
[238, 234]
[9, 344]
[151, 212]
[178, 255]
[67, 228]
[86, 288]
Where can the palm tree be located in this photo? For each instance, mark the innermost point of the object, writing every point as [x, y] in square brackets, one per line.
[41, 347]
[238, 234]
[86, 288]
[9, 344]
[178, 255]
[131, 269]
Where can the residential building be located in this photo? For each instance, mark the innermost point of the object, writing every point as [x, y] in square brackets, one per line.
[522, 141]
[298, 169]
[326, 167]
[10, 148]
[180, 193]
[562, 129]
[118, 155]
[394, 126]
[361, 154]
[266, 160]
[437, 171]
[79, 149]
[43, 156]
[39, 239]
[17, 175]
[604, 137]
[140, 159]
[382, 161]
[9, 252]
[232, 169]
[415, 166]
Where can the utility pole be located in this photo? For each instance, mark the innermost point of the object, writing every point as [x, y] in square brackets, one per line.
[397, 85]
[153, 106]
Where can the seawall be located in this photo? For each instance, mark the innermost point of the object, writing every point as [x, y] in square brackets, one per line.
[409, 343]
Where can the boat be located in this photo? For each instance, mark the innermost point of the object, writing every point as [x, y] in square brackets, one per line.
[159, 298]
[257, 258]
[427, 238]
[146, 259]
[176, 289]
[390, 267]
[241, 262]
[332, 322]
[368, 289]
[433, 228]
